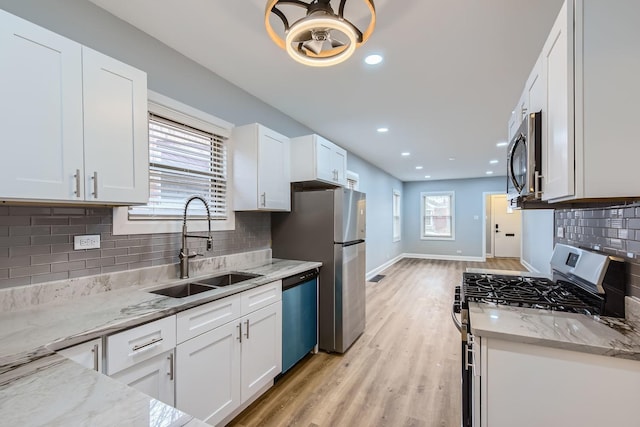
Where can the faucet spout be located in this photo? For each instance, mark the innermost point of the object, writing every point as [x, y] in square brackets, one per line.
[184, 252]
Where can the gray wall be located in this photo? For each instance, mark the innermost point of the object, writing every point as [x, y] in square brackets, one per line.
[537, 239]
[379, 187]
[469, 215]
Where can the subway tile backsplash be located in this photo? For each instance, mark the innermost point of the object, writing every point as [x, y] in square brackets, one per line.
[613, 230]
[36, 243]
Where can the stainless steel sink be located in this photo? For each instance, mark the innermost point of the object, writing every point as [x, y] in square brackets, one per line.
[182, 291]
[226, 279]
[203, 285]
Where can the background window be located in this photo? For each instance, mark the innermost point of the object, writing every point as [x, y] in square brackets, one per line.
[437, 213]
[397, 231]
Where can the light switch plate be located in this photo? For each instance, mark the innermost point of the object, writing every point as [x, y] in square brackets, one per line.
[91, 241]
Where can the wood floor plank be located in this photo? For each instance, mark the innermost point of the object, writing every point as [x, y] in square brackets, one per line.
[403, 371]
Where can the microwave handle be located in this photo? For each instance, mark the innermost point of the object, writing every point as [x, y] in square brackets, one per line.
[512, 175]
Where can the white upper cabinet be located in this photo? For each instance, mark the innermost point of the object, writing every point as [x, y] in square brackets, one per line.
[69, 115]
[590, 64]
[261, 169]
[116, 138]
[314, 158]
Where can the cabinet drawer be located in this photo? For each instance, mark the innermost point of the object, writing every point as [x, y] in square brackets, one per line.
[261, 296]
[198, 320]
[135, 345]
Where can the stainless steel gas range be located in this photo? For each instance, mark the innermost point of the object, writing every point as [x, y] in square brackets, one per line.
[583, 282]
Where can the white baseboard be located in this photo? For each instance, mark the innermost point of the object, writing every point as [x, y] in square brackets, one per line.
[400, 257]
[446, 257]
[383, 267]
[528, 266]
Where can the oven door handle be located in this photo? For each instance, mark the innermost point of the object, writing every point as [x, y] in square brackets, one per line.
[456, 322]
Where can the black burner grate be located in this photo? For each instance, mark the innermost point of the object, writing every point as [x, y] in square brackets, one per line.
[529, 292]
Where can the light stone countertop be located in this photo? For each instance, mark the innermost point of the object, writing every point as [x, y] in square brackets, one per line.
[40, 387]
[606, 336]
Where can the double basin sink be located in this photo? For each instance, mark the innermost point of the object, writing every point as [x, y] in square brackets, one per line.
[203, 285]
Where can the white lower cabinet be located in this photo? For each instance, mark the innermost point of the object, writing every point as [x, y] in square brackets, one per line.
[88, 354]
[528, 385]
[261, 349]
[221, 366]
[154, 377]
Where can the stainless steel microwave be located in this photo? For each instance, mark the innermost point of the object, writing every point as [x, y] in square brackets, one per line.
[524, 161]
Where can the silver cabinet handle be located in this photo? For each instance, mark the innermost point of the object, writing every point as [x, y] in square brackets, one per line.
[263, 196]
[247, 334]
[95, 185]
[141, 346]
[240, 332]
[537, 185]
[171, 368]
[94, 350]
[77, 178]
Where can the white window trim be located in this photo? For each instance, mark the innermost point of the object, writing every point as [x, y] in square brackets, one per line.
[170, 108]
[453, 214]
[396, 238]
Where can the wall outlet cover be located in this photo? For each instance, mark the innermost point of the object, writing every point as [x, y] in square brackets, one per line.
[91, 241]
[560, 232]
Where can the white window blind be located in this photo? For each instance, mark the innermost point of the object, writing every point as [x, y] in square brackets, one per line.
[183, 161]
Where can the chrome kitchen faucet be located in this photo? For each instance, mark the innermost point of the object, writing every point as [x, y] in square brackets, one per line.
[184, 252]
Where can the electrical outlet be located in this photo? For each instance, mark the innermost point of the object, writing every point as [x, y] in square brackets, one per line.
[458, 251]
[560, 232]
[91, 241]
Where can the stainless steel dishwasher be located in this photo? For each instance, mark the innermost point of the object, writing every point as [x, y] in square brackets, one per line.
[299, 317]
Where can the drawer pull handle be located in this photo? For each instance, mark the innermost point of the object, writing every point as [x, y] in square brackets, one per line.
[96, 357]
[170, 366]
[141, 346]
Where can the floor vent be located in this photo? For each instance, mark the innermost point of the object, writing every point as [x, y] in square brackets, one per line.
[377, 278]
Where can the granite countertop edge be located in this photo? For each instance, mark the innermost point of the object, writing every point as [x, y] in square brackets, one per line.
[605, 336]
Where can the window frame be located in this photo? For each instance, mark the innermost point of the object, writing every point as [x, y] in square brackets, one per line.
[396, 195]
[423, 196]
[177, 111]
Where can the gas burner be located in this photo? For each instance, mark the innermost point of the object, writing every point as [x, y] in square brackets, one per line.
[529, 292]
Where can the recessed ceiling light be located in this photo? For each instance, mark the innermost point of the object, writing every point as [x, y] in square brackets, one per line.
[502, 144]
[373, 59]
[489, 172]
[493, 162]
[452, 158]
[427, 176]
[405, 154]
[383, 130]
[418, 167]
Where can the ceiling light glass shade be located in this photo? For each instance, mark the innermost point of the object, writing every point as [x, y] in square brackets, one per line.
[374, 59]
[320, 38]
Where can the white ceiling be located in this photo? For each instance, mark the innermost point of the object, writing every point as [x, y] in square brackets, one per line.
[452, 72]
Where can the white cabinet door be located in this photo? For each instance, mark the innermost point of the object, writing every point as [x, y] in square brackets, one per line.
[154, 377]
[40, 112]
[116, 138]
[88, 354]
[340, 165]
[261, 169]
[273, 171]
[208, 380]
[325, 163]
[261, 349]
[531, 386]
[558, 138]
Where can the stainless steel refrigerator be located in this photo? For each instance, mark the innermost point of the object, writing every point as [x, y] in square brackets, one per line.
[329, 226]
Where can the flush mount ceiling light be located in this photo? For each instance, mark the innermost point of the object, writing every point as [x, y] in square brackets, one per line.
[321, 37]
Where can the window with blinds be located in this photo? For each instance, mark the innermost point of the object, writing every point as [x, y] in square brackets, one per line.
[183, 161]
[396, 216]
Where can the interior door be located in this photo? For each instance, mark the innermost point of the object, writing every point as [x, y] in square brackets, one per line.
[506, 225]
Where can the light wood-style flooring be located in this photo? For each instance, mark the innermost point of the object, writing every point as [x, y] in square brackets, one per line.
[403, 371]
